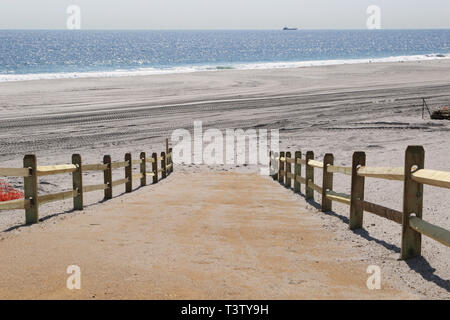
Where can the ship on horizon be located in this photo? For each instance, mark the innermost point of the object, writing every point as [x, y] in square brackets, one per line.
[289, 29]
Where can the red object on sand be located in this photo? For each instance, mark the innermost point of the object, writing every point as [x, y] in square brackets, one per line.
[8, 193]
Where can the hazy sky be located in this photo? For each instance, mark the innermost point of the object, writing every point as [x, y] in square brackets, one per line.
[224, 14]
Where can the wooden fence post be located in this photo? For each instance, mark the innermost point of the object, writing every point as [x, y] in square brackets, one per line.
[327, 182]
[287, 179]
[309, 194]
[163, 165]
[412, 203]
[275, 165]
[270, 163]
[129, 173]
[297, 171]
[167, 151]
[31, 189]
[143, 169]
[77, 181]
[170, 160]
[155, 167]
[107, 177]
[281, 168]
[357, 192]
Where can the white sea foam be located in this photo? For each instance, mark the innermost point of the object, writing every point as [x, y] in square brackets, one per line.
[199, 68]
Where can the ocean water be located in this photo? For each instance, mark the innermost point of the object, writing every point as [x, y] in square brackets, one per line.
[28, 55]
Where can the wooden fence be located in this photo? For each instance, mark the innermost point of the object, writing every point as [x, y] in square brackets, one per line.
[31, 171]
[413, 175]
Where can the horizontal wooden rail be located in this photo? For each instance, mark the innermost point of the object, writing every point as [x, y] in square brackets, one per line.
[381, 211]
[301, 161]
[290, 160]
[282, 159]
[95, 187]
[424, 176]
[137, 176]
[57, 196]
[150, 160]
[290, 175]
[150, 174]
[434, 232]
[282, 172]
[315, 186]
[57, 169]
[94, 167]
[387, 173]
[339, 169]
[15, 204]
[300, 179]
[119, 182]
[339, 197]
[116, 165]
[136, 161]
[315, 164]
[14, 172]
[159, 158]
[432, 178]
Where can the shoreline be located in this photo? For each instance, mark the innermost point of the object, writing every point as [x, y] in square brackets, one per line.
[153, 71]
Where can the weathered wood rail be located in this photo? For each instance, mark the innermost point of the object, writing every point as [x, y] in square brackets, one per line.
[31, 171]
[413, 175]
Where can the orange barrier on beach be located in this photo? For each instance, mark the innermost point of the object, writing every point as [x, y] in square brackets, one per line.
[8, 193]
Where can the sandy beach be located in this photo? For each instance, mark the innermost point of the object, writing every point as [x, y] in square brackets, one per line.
[374, 108]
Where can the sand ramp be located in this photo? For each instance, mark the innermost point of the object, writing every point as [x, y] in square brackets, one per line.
[195, 236]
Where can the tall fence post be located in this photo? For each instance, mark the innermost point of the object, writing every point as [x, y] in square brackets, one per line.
[327, 182]
[31, 189]
[163, 165]
[357, 192]
[309, 193]
[155, 167]
[281, 168]
[107, 177]
[288, 170]
[77, 181]
[412, 203]
[129, 173]
[297, 171]
[143, 169]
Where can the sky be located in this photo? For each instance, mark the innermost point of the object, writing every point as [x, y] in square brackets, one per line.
[224, 14]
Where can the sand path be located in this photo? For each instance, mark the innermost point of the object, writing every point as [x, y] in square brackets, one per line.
[193, 236]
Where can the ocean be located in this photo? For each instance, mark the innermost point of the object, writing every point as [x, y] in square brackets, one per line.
[43, 54]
